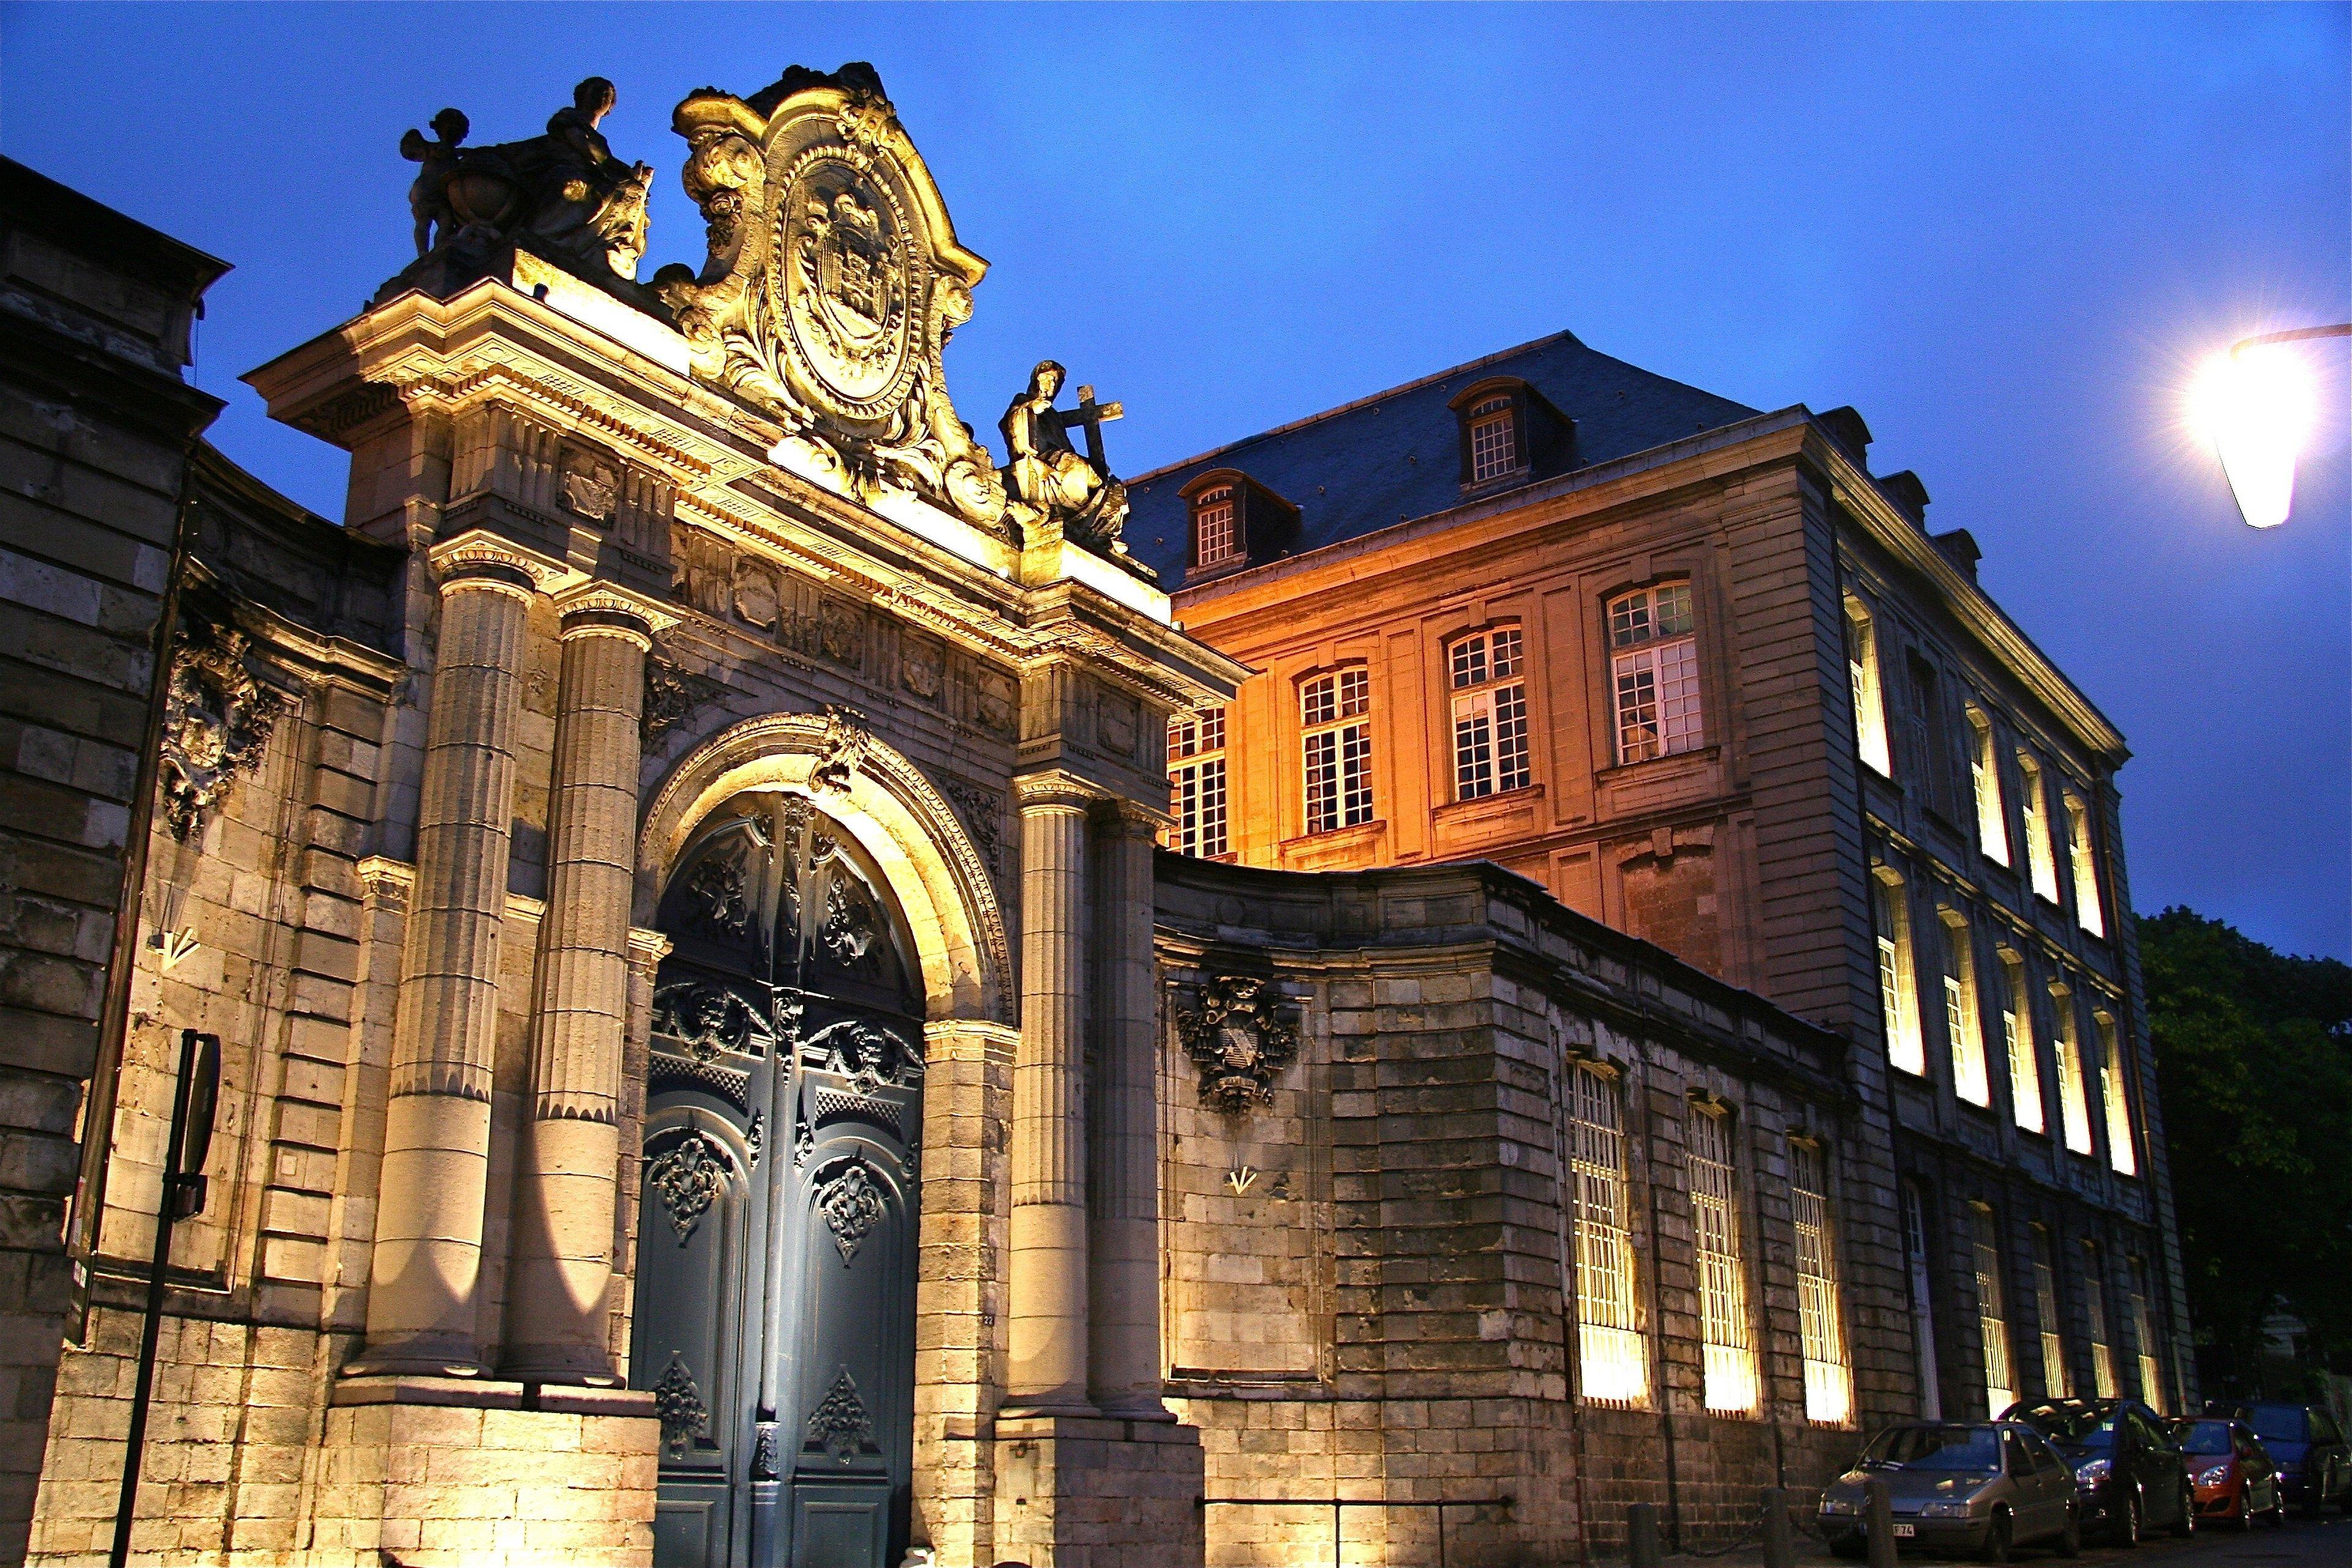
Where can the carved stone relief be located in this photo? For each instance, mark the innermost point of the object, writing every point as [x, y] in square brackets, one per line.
[995, 705]
[757, 602]
[1239, 1040]
[922, 665]
[1117, 720]
[217, 725]
[672, 696]
[847, 742]
[591, 484]
[983, 811]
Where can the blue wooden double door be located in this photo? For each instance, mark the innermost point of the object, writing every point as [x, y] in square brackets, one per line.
[776, 1245]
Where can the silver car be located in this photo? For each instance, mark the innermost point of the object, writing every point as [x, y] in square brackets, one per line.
[1979, 1486]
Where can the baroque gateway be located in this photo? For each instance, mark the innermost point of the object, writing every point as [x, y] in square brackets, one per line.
[713, 1069]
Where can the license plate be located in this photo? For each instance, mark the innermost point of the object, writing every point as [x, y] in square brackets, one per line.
[1905, 1531]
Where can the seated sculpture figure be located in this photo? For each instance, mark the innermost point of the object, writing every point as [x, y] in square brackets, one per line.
[1051, 476]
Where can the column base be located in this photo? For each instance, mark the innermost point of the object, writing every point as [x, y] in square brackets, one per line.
[447, 1472]
[1098, 1492]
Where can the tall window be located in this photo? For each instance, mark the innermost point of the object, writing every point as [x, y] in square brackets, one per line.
[1923, 1300]
[2121, 1152]
[1829, 1389]
[2087, 869]
[1196, 782]
[1898, 993]
[2024, 1059]
[1992, 1319]
[2151, 1377]
[1490, 713]
[1869, 700]
[1336, 709]
[1212, 526]
[2074, 1097]
[1610, 1355]
[1962, 1024]
[1727, 1361]
[1494, 440]
[1653, 665]
[2055, 1384]
[2094, 1301]
[2038, 853]
[1984, 778]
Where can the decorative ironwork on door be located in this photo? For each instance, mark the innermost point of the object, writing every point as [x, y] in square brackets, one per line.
[776, 1235]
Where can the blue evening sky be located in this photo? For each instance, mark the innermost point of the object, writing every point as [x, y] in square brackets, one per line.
[2005, 234]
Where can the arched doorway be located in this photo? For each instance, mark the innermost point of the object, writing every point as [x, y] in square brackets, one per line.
[776, 1257]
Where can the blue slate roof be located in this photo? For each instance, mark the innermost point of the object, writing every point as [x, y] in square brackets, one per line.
[1394, 456]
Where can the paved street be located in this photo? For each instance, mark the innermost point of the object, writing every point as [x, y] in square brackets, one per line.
[2303, 1543]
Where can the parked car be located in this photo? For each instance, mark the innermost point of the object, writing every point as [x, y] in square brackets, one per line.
[2130, 1477]
[2315, 1466]
[1978, 1487]
[2231, 1472]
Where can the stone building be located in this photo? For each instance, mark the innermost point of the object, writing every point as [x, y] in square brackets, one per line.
[716, 1069]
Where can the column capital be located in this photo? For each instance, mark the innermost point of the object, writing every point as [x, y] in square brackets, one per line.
[1055, 790]
[606, 609]
[385, 881]
[478, 558]
[646, 948]
[1133, 819]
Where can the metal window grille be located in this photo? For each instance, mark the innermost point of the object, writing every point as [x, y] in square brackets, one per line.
[2095, 1300]
[2055, 1384]
[1992, 1323]
[1729, 1369]
[2151, 1378]
[1829, 1388]
[1212, 526]
[1612, 1358]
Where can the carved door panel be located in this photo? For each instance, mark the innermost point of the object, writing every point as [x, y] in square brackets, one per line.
[776, 1242]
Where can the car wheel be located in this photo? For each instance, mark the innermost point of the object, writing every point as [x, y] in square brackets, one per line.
[2126, 1529]
[2186, 1525]
[1995, 1546]
[2070, 1539]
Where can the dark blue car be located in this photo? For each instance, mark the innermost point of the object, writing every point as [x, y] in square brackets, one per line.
[2315, 1466]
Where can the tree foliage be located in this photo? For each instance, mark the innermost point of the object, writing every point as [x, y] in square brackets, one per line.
[2253, 1053]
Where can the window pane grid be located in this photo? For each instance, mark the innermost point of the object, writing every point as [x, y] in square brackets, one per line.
[1992, 1323]
[2024, 1067]
[1474, 746]
[1612, 1358]
[2086, 872]
[2055, 1385]
[1992, 824]
[2095, 1300]
[1827, 1388]
[2121, 1152]
[1729, 1369]
[1338, 758]
[1494, 444]
[1213, 527]
[1869, 702]
[2151, 1378]
[2038, 852]
[1961, 1024]
[1897, 990]
[2074, 1102]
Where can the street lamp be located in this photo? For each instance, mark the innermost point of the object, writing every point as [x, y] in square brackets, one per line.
[2255, 404]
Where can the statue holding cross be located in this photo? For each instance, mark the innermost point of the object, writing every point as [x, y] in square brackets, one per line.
[1050, 475]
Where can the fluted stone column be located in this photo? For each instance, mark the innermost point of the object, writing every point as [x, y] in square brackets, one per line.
[569, 1173]
[421, 1306]
[1047, 1332]
[1123, 1128]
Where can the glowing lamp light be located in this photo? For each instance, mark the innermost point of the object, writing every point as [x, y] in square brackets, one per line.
[2255, 404]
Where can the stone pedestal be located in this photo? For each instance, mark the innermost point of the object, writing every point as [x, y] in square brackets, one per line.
[1091, 1492]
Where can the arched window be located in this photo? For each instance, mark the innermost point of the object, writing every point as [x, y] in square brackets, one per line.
[1336, 745]
[1494, 439]
[1490, 713]
[1653, 671]
[1215, 537]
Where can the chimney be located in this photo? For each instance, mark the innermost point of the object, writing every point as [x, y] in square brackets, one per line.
[1845, 427]
[1909, 495]
[1960, 548]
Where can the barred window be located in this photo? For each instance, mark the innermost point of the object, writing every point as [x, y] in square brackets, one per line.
[1494, 439]
[2055, 1384]
[2151, 1376]
[2039, 854]
[2094, 1302]
[1654, 670]
[1490, 713]
[1611, 1358]
[2024, 1059]
[1992, 1319]
[1212, 526]
[1729, 1365]
[1962, 1024]
[1338, 748]
[1196, 782]
[2088, 912]
[1828, 1387]
[2074, 1097]
[1898, 993]
[2121, 1152]
[1984, 774]
[1869, 697]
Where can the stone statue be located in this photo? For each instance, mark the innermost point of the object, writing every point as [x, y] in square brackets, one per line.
[1051, 476]
[563, 193]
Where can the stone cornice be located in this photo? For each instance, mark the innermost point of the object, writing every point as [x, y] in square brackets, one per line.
[479, 558]
[597, 608]
[1053, 789]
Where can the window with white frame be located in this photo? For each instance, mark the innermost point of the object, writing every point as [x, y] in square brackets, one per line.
[2040, 853]
[1829, 1386]
[2074, 1092]
[1869, 697]
[1490, 713]
[2017, 1037]
[1196, 782]
[1727, 1364]
[1612, 1361]
[1653, 671]
[2122, 1151]
[1992, 1319]
[1963, 1023]
[1984, 778]
[2087, 867]
[2094, 1303]
[1494, 439]
[1898, 993]
[2055, 1384]
[1214, 537]
[2151, 1376]
[1335, 711]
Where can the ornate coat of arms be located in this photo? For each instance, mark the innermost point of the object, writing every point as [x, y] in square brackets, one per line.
[1239, 1041]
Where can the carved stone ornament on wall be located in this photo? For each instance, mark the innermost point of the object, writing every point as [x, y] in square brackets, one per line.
[983, 811]
[677, 1403]
[851, 1204]
[922, 665]
[869, 1055]
[706, 1018]
[839, 1424]
[847, 742]
[833, 279]
[217, 724]
[1239, 1040]
[672, 696]
[591, 484]
[686, 1177]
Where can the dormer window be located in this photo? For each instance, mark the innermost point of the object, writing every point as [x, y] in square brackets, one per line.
[1236, 523]
[1212, 526]
[1494, 439]
[1509, 432]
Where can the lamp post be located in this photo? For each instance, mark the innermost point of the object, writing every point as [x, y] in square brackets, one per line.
[2254, 405]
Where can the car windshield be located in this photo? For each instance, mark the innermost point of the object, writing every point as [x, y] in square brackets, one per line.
[2205, 1437]
[1935, 1448]
[2076, 1428]
[2279, 1422]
